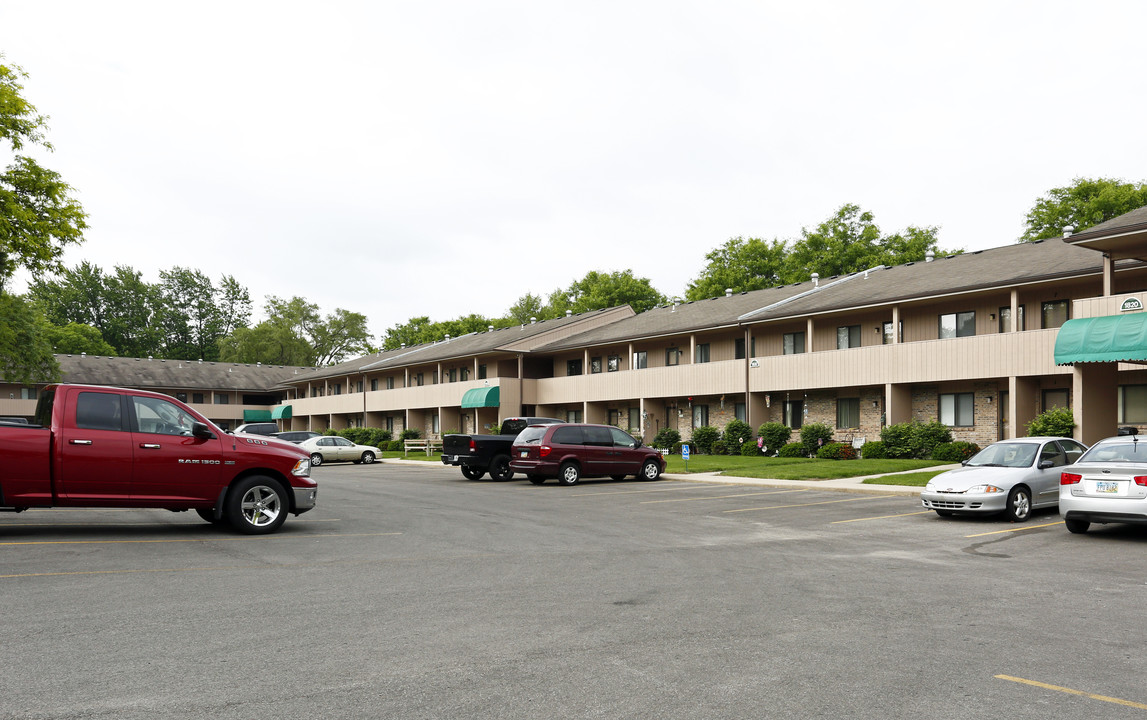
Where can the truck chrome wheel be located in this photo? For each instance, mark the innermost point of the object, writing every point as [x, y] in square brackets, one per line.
[256, 505]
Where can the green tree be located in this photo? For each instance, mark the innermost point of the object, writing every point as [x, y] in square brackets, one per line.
[38, 216]
[25, 350]
[599, 290]
[195, 314]
[528, 306]
[76, 338]
[294, 333]
[1083, 204]
[740, 264]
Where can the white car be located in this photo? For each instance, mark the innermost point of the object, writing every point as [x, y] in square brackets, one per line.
[329, 448]
[1107, 485]
[1011, 476]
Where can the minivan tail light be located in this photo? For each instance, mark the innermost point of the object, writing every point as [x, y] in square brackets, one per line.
[1070, 478]
[544, 451]
[1140, 480]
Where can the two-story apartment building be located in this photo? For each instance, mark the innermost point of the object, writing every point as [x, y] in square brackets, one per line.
[983, 341]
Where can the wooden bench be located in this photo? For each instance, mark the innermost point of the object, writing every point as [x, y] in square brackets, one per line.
[427, 446]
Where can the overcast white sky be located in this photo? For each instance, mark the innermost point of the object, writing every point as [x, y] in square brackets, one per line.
[443, 158]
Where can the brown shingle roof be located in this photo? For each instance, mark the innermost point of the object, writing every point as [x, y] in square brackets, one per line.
[146, 373]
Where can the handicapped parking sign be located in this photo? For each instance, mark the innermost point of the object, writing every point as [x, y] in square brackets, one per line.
[685, 455]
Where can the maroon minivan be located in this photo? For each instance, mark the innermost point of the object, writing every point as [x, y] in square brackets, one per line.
[571, 451]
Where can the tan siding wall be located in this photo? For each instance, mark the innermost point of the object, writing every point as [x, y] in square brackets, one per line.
[983, 356]
[707, 378]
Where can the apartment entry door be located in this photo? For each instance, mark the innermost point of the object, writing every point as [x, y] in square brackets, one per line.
[1003, 414]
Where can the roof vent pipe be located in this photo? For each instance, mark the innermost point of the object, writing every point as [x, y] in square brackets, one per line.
[929, 256]
[728, 292]
[816, 280]
[490, 328]
[447, 337]
[569, 312]
[1068, 230]
[533, 319]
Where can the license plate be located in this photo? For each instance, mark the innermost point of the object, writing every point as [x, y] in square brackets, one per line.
[525, 453]
[1104, 486]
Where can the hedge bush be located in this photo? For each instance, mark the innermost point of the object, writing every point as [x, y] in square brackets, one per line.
[676, 448]
[958, 451]
[874, 450]
[836, 451]
[775, 435]
[718, 448]
[704, 437]
[792, 450]
[367, 436]
[914, 439]
[737, 432]
[666, 438]
[395, 446]
[750, 449]
[1057, 422]
[814, 436]
[410, 434]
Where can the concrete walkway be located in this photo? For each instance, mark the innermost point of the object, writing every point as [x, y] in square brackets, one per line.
[854, 485]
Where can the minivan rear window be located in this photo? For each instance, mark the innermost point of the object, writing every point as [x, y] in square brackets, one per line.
[568, 436]
[530, 436]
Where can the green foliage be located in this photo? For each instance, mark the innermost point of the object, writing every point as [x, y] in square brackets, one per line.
[38, 216]
[76, 339]
[25, 350]
[914, 439]
[1083, 204]
[1057, 422]
[955, 451]
[294, 333]
[704, 437]
[676, 448]
[750, 449]
[793, 450]
[874, 450]
[377, 437]
[814, 436]
[737, 433]
[410, 434]
[847, 242]
[836, 451]
[599, 290]
[718, 448]
[395, 445]
[666, 438]
[419, 330]
[774, 435]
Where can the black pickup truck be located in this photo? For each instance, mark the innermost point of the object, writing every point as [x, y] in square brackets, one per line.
[479, 454]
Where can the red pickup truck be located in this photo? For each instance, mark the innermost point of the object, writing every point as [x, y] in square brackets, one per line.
[93, 446]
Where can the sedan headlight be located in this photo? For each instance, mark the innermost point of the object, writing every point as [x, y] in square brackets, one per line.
[984, 490]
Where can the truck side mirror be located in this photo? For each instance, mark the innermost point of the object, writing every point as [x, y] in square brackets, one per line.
[200, 430]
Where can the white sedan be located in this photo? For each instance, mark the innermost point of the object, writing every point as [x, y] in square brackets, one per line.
[329, 448]
[1108, 485]
[1011, 476]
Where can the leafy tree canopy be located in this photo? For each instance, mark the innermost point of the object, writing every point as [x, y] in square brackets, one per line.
[1083, 204]
[38, 216]
[294, 333]
[848, 241]
[77, 338]
[25, 350]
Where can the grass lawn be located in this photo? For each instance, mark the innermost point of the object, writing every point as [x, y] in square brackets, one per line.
[792, 468]
[919, 479]
[420, 455]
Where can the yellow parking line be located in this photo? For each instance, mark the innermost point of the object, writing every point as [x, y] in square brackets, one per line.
[1015, 529]
[880, 517]
[192, 540]
[1057, 688]
[826, 502]
[722, 497]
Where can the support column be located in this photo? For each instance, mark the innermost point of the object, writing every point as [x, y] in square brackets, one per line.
[1023, 404]
[897, 404]
[1094, 393]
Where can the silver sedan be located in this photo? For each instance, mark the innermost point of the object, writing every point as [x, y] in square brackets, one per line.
[328, 448]
[1011, 476]
[1108, 485]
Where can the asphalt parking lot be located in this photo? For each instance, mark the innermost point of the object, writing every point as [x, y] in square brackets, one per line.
[410, 592]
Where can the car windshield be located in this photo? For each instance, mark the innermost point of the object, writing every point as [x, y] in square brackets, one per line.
[1013, 455]
[1129, 451]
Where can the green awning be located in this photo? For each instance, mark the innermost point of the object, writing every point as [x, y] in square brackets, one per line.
[256, 416]
[1111, 338]
[283, 412]
[481, 397]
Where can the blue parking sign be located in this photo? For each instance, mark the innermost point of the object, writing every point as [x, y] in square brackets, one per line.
[684, 452]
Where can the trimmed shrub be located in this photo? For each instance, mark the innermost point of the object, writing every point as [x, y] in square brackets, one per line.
[1057, 422]
[836, 451]
[792, 450]
[367, 436]
[410, 434]
[873, 450]
[395, 446]
[814, 436]
[750, 449]
[737, 433]
[775, 435]
[955, 451]
[914, 439]
[666, 438]
[704, 437]
[718, 448]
